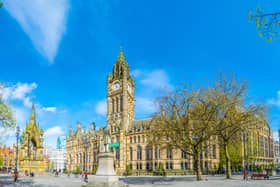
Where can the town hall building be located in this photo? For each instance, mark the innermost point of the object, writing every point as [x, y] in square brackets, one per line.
[129, 136]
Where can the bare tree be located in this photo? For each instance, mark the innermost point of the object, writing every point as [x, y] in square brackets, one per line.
[233, 116]
[185, 122]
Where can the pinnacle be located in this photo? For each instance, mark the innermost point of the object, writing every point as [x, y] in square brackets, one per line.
[121, 57]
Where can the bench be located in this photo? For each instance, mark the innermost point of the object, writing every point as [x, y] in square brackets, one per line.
[259, 176]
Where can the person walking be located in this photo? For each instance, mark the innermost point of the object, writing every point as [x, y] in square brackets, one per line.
[16, 176]
[245, 177]
[86, 177]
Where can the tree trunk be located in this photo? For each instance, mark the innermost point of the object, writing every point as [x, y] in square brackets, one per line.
[196, 158]
[228, 168]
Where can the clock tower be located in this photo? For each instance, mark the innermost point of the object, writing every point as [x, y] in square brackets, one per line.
[120, 95]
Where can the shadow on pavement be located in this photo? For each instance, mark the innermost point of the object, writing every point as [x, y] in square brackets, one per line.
[152, 180]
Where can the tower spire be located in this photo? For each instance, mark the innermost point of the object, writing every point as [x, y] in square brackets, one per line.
[121, 57]
[32, 116]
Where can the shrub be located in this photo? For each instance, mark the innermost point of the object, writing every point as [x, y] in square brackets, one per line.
[127, 170]
[78, 169]
[94, 169]
[160, 171]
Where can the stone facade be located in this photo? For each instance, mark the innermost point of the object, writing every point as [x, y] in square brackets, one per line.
[129, 136]
[259, 147]
[277, 151]
[31, 157]
[7, 156]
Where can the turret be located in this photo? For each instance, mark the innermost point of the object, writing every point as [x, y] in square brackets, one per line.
[70, 131]
[92, 127]
[78, 126]
[162, 111]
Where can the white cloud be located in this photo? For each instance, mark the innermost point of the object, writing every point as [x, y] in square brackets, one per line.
[275, 136]
[21, 115]
[136, 73]
[49, 109]
[19, 91]
[101, 107]
[44, 21]
[51, 135]
[153, 83]
[7, 134]
[154, 80]
[145, 105]
[157, 79]
[275, 102]
[27, 102]
[54, 131]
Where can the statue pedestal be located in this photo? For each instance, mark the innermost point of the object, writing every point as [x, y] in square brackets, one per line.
[106, 164]
[105, 175]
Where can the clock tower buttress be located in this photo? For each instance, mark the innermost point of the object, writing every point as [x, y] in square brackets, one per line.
[120, 95]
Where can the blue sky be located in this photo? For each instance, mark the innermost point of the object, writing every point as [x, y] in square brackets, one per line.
[58, 53]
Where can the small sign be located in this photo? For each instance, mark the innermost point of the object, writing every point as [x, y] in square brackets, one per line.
[113, 145]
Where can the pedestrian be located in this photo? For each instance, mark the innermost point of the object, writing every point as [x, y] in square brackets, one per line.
[16, 176]
[86, 177]
[245, 177]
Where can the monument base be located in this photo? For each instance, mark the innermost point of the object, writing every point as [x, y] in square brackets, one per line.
[105, 181]
[106, 164]
[105, 175]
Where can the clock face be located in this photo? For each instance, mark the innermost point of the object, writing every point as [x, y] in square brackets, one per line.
[128, 88]
[116, 86]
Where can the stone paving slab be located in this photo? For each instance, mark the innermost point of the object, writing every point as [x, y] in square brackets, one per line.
[185, 181]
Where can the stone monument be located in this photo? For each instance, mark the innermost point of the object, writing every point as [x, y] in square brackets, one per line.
[31, 156]
[105, 175]
[106, 159]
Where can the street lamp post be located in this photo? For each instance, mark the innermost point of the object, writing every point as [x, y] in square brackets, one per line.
[17, 135]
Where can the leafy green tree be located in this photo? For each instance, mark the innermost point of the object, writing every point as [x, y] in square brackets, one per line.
[7, 120]
[6, 115]
[267, 24]
[1, 4]
[1, 161]
[236, 155]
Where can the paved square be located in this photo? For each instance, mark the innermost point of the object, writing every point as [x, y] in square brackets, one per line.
[48, 180]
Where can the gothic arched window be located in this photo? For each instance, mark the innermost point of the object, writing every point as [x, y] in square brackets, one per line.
[131, 153]
[169, 154]
[117, 153]
[113, 105]
[149, 153]
[117, 102]
[139, 152]
[121, 103]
